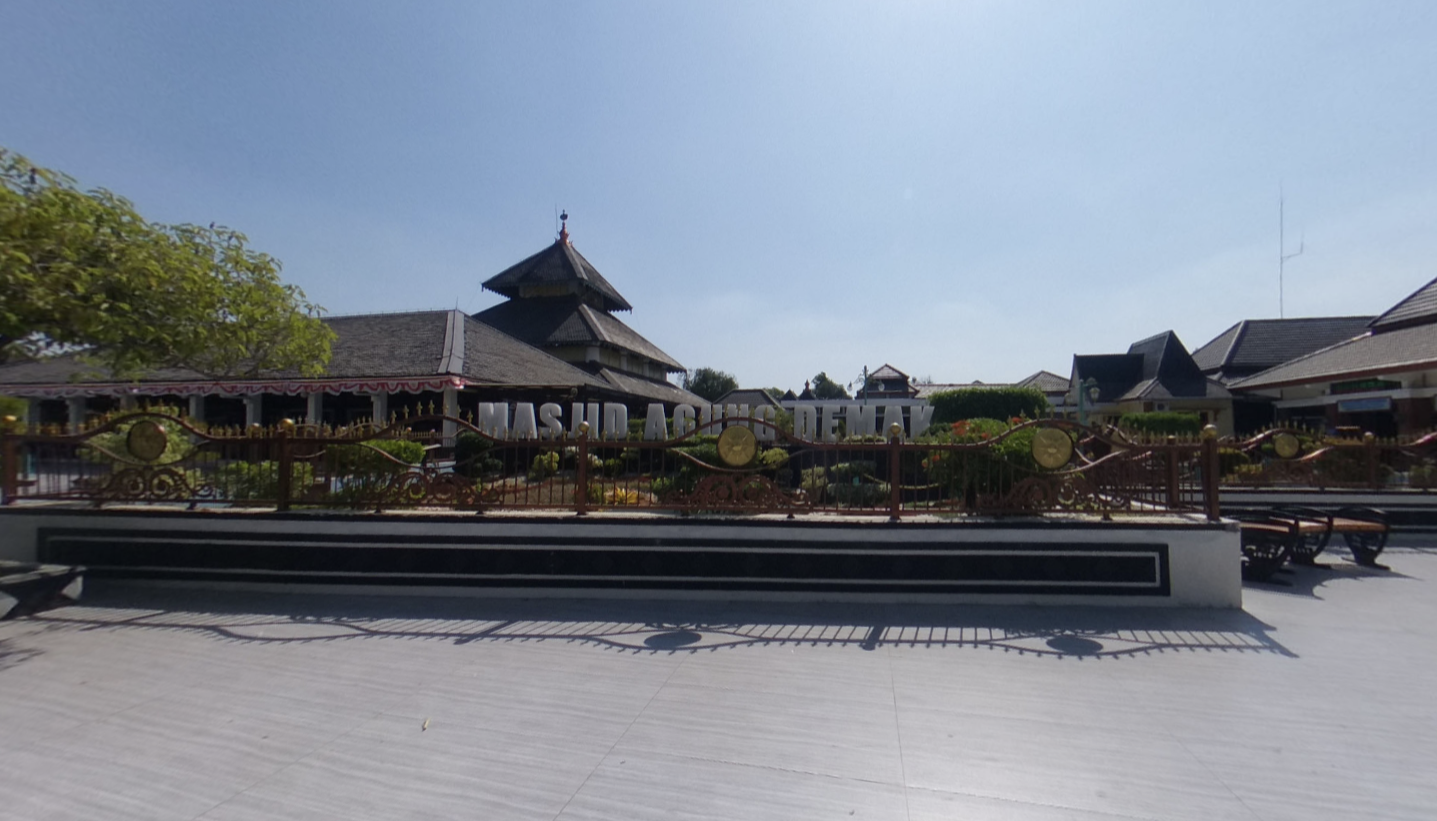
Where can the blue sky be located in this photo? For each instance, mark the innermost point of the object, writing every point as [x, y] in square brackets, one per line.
[965, 190]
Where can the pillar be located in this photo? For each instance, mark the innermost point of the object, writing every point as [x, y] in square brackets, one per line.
[314, 414]
[197, 408]
[379, 408]
[75, 406]
[128, 401]
[451, 409]
[32, 412]
[253, 407]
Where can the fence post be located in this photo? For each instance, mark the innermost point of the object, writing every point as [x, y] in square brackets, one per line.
[285, 465]
[9, 461]
[1172, 465]
[895, 490]
[1369, 441]
[1210, 467]
[581, 493]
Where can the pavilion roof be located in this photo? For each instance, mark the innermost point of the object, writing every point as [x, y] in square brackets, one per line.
[415, 348]
[560, 321]
[557, 269]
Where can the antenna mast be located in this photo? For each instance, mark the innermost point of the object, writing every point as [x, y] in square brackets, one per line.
[1282, 255]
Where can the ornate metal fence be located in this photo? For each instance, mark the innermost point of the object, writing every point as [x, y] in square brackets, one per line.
[726, 466]
[1292, 458]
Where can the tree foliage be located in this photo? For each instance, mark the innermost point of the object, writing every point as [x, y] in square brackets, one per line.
[10, 406]
[987, 403]
[83, 271]
[825, 388]
[709, 383]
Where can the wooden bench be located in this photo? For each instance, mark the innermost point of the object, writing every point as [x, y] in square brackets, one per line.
[1268, 542]
[1364, 529]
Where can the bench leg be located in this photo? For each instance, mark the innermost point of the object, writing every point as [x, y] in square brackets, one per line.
[1262, 556]
[1366, 547]
[1308, 547]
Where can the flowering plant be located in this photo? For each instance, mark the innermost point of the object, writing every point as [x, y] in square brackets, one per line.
[989, 470]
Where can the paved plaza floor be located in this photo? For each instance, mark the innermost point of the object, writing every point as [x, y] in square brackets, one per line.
[1314, 702]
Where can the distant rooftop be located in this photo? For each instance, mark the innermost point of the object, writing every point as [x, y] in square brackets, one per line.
[1254, 345]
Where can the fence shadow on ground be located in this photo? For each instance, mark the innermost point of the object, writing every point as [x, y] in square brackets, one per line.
[666, 626]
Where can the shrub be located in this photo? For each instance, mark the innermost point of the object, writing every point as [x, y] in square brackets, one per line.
[364, 471]
[369, 458]
[1162, 423]
[851, 484]
[859, 495]
[544, 465]
[662, 486]
[471, 455]
[814, 482]
[623, 497]
[252, 481]
[1423, 476]
[987, 403]
[773, 458]
[1230, 459]
[990, 471]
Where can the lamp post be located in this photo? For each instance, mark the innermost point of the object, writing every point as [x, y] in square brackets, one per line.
[1087, 389]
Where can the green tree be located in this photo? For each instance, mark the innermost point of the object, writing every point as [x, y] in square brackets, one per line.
[825, 388]
[83, 271]
[10, 406]
[709, 383]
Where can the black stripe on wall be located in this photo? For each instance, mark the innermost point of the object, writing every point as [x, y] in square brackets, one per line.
[731, 564]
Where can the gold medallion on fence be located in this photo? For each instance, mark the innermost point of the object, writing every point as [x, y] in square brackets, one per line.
[736, 446]
[146, 440]
[1052, 448]
[1286, 445]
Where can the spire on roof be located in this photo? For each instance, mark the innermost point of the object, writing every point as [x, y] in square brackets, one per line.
[558, 270]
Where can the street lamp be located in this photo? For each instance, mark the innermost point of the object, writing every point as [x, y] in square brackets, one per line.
[1087, 392]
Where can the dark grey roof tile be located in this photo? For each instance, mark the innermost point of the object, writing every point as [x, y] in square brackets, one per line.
[1391, 351]
[1418, 308]
[567, 321]
[1258, 344]
[493, 357]
[753, 397]
[649, 389]
[559, 265]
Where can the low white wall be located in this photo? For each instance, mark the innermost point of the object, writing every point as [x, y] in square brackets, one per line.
[1204, 559]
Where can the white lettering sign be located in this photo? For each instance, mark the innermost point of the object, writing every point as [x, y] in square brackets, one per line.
[610, 420]
[549, 416]
[524, 427]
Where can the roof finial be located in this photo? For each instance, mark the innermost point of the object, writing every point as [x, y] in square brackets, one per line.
[564, 228]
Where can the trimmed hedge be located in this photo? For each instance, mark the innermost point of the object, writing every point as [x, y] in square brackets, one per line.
[1162, 423]
[987, 403]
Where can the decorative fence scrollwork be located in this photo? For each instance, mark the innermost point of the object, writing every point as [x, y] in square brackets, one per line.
[438, 462]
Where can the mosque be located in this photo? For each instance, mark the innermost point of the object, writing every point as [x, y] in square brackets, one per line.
[555, 339]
